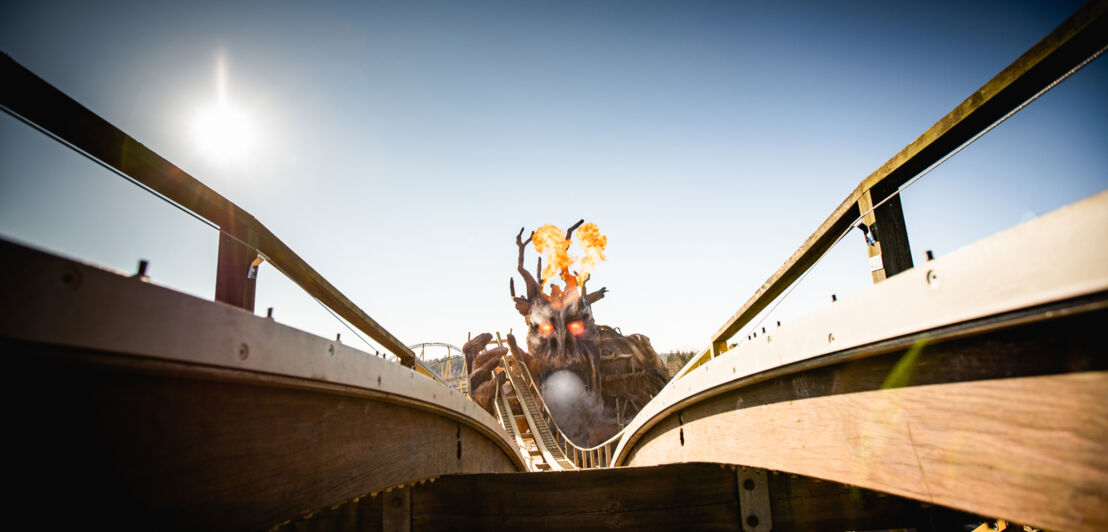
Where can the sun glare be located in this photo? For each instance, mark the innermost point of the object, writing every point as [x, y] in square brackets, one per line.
[223, 131]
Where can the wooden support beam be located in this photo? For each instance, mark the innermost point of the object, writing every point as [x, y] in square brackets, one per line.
[693, 496]
[396, 510]
[865, 209]
[1080, 36]
[233, 285]
[892, 230]
[890, 253]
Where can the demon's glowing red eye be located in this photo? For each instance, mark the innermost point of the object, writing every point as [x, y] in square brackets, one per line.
[546, 328]
[576, 328]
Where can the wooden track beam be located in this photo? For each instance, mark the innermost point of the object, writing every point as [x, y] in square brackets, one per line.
[233, 285]
[1032, 450]
[1073, 41]
[696, 496]
[40, 104]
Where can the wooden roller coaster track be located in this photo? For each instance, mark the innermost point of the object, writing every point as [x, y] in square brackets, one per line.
[965, 389]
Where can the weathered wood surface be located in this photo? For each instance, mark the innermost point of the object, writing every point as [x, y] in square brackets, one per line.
[892, 231]
[1032, 450]
[1055, 267]
[189, 414]
[166, 445]
[804, 503]
[51, 300]
[39, 103]
[1070, 43]
[1030, 345]
[695, 496]
[232, 285]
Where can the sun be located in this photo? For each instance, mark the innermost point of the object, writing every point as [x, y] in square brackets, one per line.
[223, 132]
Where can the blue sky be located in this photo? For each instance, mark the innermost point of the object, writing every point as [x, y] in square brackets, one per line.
[399, 146]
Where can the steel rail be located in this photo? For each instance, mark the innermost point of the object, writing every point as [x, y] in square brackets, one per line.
[600, 454]
[540, 430]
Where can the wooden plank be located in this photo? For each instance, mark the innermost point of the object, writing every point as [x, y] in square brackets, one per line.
[1031, 450]
[877, 268]
[805, 503]
[1062, 259]
[50, 300]
[684, 497]
[184, 446]
[396, 510]
[1059, 344]
[1070, 43]
[892, 232]
[37, 102]
[232, 285]
[674, 496]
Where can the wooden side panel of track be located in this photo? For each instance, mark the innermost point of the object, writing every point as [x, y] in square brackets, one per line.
[163, 445]
[132, 404]
[958, 383]
[1016, 448]
[694, 496]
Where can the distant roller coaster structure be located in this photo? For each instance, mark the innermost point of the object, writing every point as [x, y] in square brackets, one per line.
[450, 348]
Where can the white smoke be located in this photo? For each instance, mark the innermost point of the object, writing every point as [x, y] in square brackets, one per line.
[571, 404]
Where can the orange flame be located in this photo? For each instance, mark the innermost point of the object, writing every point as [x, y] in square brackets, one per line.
[552, 244]
[593, 243]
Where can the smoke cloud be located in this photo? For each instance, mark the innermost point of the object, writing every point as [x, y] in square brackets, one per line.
[571, 404]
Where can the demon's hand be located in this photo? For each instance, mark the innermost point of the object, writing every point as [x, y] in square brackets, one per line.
[482, 364]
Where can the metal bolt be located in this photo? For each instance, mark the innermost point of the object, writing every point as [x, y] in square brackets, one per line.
[752, 520]
[930, 255]
[269, 312]
[71, 278]
[748, 484]
[932, 279]
[396, 502]
[141, 273]
[830, 338]
[244, 351]
[338, 337]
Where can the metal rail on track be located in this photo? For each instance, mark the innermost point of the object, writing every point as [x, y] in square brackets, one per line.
[540, 430]
[564, 452]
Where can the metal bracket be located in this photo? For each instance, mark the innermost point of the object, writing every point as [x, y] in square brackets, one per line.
[252, 273]
[754, 508]
[870, 233]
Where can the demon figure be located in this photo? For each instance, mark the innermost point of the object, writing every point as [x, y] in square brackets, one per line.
[593, 378]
